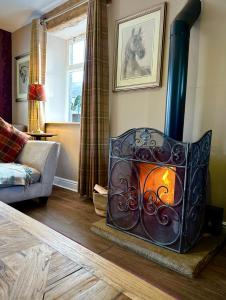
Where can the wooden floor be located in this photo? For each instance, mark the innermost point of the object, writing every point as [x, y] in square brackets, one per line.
[72, 216]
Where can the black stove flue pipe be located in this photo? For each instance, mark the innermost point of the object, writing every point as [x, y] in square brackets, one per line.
[178, 68]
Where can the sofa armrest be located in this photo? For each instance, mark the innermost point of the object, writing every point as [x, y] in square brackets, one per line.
[43, 156]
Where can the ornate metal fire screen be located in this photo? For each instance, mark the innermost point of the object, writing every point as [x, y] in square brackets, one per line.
[157, 187]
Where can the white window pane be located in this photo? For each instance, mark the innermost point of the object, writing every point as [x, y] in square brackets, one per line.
[77, 76]
[77, 52]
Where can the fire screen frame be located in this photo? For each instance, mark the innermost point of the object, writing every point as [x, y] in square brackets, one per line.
[176, 227]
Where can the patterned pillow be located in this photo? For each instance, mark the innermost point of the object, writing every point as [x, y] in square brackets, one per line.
[11, 142]
[12, 174]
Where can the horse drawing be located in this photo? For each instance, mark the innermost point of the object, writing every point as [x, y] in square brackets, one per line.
[134, 51]
[23, 71]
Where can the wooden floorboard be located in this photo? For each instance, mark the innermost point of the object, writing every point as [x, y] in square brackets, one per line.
[72, 216]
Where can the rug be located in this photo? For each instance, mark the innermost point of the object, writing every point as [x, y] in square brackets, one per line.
[189, 264]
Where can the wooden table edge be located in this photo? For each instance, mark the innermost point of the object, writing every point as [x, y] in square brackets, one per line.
[133, 286]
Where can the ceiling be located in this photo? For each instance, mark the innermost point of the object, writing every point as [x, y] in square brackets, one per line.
[14, 14]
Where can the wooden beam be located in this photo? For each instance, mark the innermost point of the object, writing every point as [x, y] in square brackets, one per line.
[61, 8]
[79, 12]
[76, 13]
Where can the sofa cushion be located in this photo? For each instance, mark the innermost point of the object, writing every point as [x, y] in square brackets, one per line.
[11, 142]
[12, 174]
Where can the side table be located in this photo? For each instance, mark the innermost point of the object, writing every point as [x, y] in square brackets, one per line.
[39, 136]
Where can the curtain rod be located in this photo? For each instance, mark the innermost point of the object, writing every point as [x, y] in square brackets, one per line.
[64, 11]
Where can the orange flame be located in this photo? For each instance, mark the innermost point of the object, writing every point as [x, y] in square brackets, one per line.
[159, 185]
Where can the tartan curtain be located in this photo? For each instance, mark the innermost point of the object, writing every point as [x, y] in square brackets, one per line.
[37, 72]
[94, 142]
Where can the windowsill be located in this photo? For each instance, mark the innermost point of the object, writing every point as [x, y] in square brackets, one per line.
[63, 123]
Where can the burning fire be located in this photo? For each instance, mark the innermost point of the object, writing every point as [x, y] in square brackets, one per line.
[158, 183]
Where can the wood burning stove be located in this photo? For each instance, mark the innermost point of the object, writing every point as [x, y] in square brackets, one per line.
[157, 187]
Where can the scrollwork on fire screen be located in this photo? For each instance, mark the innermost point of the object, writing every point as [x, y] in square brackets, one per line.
[123, 203]
[135, 207]
[197, 183]
[161, 207]
[149, 145]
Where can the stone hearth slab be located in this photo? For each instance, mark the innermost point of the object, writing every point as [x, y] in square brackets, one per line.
[189, 264]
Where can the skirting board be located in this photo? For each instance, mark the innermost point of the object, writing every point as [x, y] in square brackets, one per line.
[66, 183]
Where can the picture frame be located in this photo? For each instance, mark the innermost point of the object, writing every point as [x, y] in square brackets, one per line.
[22, 77]
[139, 50]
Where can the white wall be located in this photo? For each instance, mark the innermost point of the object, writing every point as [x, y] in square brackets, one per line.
[56, 53]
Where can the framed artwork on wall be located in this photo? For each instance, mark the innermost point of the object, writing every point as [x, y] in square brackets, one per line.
[138, 52]
[22, 77]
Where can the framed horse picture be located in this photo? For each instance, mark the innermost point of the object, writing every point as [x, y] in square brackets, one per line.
[138, 55]
[22, 77]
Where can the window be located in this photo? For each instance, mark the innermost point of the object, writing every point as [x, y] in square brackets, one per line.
[76, 56]
[64, 72]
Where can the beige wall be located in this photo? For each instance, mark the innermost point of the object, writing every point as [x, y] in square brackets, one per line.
[142, 107]
[206, 93]
[147, 107]
[68, 134]
[210, 98]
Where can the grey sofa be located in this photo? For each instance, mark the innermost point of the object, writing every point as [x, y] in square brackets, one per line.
[43, 157]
